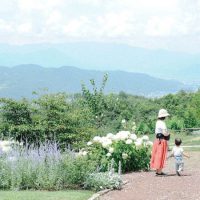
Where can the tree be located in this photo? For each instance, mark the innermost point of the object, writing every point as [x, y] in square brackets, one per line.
[95, 100]
[16, 118]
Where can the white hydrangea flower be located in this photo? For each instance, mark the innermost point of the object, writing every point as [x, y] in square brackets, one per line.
[129, 141]
[6, 148]
[116, 138]
[89, 143]
[123, 121]
[108, 154]
[124, 155]
[97, 139]
[106, 142]
[145, 138]
[133, 136]
[138, 142]
[6, 145]
[123, 135]
[110, 136]
[111, 150]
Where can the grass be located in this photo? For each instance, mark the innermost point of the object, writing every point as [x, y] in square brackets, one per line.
[45, 195]
[187, 140]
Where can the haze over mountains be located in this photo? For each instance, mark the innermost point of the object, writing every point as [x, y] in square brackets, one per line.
[22, 80]
[130, 69]
[106, 56]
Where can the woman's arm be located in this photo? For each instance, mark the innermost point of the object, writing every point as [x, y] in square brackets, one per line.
[165, 132]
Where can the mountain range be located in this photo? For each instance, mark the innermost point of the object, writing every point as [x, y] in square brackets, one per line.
[164, 64]
[22, 80]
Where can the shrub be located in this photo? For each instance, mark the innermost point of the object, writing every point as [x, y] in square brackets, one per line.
[100, 181]
[124, 147]
[75, 170]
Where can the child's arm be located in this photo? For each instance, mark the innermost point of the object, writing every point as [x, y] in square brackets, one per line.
[186, 155]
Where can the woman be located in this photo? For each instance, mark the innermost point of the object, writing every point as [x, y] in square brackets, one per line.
[160, 146]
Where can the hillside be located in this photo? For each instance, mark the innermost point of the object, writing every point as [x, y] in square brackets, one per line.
[21, 80]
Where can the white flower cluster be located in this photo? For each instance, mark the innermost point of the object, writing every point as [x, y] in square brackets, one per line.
[107, 141]
[6, 145]
[124, 156]
[125, 136]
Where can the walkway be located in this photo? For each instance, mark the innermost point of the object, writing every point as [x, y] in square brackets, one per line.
[147, 186]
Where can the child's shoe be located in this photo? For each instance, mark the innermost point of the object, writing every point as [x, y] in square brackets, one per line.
[178, 173]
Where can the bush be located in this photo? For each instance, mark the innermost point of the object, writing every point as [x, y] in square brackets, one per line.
[100, 181]
[125, 148]
[76, 170]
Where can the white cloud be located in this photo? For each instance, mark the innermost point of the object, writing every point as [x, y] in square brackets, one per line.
[5, 27]
[73, 27]
[145, 23]
[30, 5]
[160, 26]
[54, 17]
[115, 24]
[24, 28]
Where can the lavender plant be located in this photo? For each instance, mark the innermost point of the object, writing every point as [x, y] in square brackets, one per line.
[43, 167]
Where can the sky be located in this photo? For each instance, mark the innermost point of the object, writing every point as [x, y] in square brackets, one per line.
[156, 24]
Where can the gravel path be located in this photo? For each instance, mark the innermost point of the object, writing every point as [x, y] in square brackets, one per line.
[147, 186]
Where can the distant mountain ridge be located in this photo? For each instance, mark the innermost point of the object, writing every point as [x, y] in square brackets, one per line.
[164, 64]
[22, 80]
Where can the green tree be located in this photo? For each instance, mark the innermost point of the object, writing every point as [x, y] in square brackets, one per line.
[16, 118]
[95, 100]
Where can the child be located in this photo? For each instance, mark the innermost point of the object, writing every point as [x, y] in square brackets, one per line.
[177, 153]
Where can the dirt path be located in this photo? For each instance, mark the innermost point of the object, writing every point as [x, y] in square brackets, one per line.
[147, 186]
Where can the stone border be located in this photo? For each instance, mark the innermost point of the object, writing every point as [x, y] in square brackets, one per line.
[97, 195]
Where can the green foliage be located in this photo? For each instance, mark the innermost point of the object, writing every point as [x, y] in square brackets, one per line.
[54, 117]
[15, 118]
[103, 180]
[75, 171]
[137, 157]
[175, 123]
[95, 100]
[132, 152]
[74, 119]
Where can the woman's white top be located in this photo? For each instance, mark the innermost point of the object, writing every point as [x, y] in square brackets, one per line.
[161, 128]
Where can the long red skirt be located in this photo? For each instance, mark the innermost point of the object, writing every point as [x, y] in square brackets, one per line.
[159, 154]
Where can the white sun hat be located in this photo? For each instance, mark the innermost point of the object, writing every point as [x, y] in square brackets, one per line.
[163, 113]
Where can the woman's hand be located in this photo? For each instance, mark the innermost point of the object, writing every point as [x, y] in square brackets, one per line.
[165, 133]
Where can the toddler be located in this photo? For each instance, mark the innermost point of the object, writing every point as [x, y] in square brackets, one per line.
[177, 153]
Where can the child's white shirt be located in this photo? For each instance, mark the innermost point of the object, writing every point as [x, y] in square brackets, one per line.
[177, 151]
